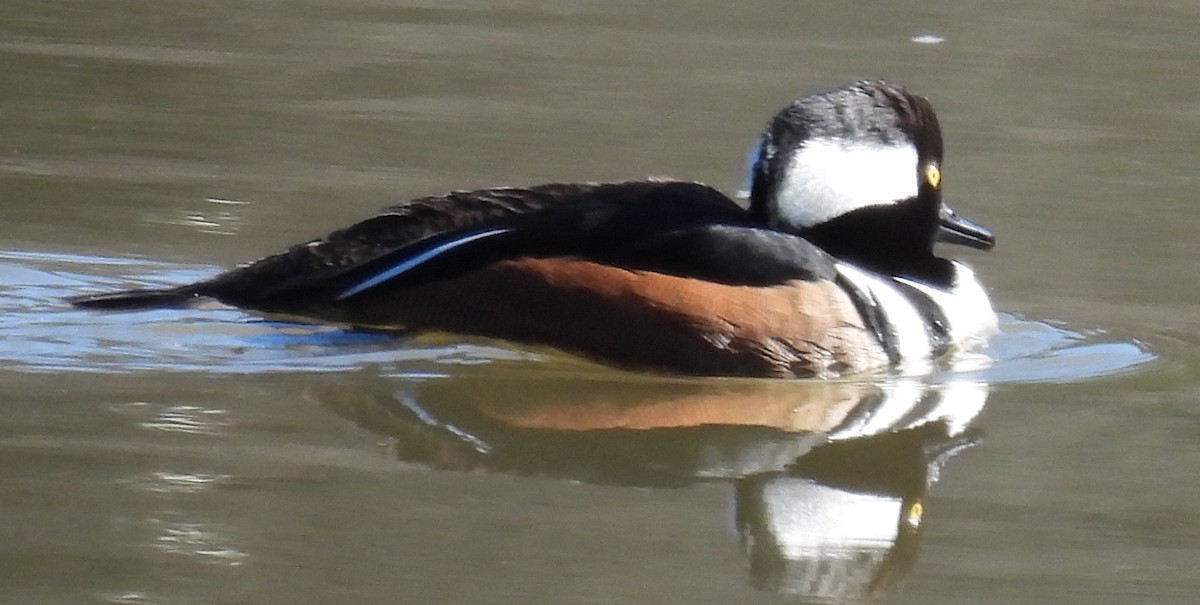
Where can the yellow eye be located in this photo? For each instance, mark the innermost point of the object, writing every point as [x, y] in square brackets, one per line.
[933, 175]
[913, 518]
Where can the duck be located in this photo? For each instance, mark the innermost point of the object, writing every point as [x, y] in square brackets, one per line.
[829, 270]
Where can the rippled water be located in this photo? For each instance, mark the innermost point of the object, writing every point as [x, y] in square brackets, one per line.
[44, 334]
[209, 456]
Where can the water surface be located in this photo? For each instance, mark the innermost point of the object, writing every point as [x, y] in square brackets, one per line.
[213, 457]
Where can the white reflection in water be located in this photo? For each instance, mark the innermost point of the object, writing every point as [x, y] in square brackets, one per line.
[809, 519]
[200, 540]
[130, 598]
[221, 219]
[189, 419]
[164, 482]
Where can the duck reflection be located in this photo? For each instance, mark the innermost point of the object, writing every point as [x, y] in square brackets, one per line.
[842, 522]
[828, 477]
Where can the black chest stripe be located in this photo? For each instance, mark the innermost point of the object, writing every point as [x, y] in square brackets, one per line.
[937, 325]
[873, 316]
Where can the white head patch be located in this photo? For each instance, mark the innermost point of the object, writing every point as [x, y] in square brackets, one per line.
[827, 178]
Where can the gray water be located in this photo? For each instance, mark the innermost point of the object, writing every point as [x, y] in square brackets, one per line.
[212, 457]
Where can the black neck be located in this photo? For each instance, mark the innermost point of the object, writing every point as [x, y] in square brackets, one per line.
[891, 240]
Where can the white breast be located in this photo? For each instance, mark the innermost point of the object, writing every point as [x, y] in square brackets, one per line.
[964, 304]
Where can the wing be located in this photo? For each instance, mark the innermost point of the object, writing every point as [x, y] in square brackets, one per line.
[670, 227]
[731, 254]
[442, 237]
[553, 220]
[307, 267]
[681, 229]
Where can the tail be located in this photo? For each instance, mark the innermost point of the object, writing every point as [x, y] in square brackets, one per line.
[164, 298]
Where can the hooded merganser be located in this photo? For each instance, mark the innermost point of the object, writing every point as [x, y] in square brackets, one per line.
[831, 270]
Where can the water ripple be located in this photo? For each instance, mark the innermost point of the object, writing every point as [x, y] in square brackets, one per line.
[41, 333]
[165, 482]
[200, 540]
